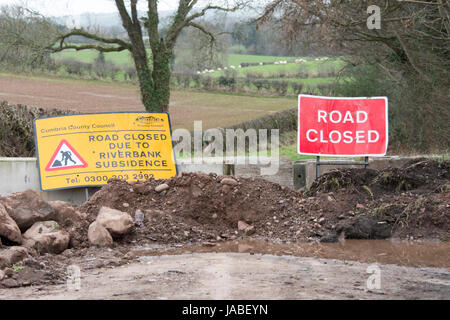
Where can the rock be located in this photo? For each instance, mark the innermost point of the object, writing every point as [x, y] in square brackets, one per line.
[99, 236]
[329, 237]
[229, 182]
[12, 255]
[242, 225]
[364, 228]
[2, 275]
[10, 283]
[8, 227]
[162, 187]
[322, 220]
[26, 208]
[248, 229]
[46, 237]
[65, 214]
[116, 222]
[141, 188]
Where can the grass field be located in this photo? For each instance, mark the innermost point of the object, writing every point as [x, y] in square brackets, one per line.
[310, 67]
[122, 58]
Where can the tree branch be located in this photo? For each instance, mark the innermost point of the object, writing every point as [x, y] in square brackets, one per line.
[88, 47]
[211, 7]
[182, 19]
[122, 45]
[202, 29]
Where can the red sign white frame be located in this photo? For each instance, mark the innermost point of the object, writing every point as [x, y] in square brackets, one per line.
[343, 155]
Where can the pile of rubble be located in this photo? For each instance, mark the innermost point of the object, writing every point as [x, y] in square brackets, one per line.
[409, 203]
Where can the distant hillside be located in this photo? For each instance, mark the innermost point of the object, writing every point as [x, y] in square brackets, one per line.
[110, 20]
[102, 20]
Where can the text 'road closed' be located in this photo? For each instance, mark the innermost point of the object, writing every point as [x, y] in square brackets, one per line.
[88, 150]
[342, 126]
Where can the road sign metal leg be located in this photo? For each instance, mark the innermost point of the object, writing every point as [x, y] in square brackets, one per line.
[317, 167]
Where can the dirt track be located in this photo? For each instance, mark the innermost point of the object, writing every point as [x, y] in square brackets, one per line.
[243, 277]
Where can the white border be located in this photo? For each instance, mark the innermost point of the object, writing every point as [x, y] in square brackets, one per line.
[341, 155]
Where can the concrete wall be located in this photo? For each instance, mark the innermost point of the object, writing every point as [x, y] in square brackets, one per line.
[20, 174]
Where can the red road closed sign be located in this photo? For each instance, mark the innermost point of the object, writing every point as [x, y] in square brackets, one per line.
[342, 126]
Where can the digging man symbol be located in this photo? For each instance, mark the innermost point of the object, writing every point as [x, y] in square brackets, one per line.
[67, 155]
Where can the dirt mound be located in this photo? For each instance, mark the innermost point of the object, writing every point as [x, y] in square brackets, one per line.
[353, 203]
[412, 202]
[196, 207]
[418, 174]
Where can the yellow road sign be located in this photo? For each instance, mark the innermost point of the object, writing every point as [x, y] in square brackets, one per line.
[89, 149]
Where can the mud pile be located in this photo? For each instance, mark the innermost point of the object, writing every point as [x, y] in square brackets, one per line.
[412, 202]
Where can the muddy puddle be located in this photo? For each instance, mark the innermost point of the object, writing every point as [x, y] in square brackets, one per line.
[401, 253]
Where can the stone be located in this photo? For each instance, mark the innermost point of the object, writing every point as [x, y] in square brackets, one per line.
[2, 275]
[118, 223]
[364, 228]
[141, 188]
[229, 182]
[10, 283]
[329, 237]
[162, 187]
[242, 225]
[65, 214]
[12, 255]
[47, 237]
[26, 208]
[99, 236]
[248, 229]
[8, 227]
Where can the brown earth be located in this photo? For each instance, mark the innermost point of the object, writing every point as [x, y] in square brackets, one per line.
[412, 202]
[215, 110]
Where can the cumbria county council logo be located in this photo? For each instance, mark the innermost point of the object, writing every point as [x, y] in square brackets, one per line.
[148, 121]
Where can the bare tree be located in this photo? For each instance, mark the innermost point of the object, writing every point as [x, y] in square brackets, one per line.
[153, 74]
[415, 33]
[24, 37]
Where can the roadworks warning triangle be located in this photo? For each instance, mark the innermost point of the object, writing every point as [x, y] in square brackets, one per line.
[65, 157]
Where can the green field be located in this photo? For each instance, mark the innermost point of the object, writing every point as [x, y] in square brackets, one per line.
[312, 75]
[310, 67]
[237, 59]
[122, 58]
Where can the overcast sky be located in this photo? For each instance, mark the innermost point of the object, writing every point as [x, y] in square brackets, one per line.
[73, 7]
